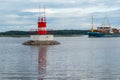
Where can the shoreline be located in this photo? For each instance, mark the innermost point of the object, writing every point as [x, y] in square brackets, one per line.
[29, 35]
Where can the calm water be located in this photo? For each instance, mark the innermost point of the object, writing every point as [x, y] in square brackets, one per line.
[77, 58]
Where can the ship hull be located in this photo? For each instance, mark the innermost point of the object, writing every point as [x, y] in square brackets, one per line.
[98, 34]
[95, 34]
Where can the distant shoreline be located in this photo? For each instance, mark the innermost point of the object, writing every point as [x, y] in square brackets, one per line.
[57, 33]
[14, 35]
[29, 35]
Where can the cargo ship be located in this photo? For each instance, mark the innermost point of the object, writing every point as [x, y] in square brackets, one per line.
[103, 31]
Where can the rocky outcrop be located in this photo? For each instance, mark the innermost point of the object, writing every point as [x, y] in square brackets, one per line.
[30, 42]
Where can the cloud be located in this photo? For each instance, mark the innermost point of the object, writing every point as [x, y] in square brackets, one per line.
[72, 12]
[61, 14]
[54, 1]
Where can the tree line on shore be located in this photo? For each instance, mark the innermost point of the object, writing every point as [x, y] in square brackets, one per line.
[55, 32]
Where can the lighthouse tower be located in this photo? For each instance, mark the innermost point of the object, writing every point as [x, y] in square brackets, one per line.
[42, 29]
[42, 26]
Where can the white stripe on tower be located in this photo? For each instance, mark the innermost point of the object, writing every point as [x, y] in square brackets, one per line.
[42, 29]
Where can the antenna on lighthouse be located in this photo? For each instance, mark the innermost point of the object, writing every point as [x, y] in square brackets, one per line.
[39, 11]
[44, 13]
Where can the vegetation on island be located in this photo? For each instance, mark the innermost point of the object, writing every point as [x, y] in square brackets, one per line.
[55, 32]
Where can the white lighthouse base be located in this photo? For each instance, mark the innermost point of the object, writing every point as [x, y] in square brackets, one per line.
[41, 37]
[41, 40]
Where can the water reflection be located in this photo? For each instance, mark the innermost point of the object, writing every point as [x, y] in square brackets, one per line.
[42, 62]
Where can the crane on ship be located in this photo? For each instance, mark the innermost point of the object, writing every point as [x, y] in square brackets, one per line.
[106, 23]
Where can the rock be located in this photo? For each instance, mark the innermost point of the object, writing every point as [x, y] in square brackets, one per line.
[30, 42]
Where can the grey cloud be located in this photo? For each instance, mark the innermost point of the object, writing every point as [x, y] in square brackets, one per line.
[11, 10]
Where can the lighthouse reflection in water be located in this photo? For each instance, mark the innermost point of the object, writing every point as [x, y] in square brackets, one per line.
[42, 62]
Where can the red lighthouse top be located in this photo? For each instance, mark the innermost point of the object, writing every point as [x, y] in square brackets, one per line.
[42, 27]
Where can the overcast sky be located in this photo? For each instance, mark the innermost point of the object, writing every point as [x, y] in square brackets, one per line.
[61, 14]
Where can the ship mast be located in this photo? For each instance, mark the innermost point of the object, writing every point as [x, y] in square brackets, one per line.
[109, 24]
[92, 30]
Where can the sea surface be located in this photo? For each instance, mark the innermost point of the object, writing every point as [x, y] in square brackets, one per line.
[76, 58]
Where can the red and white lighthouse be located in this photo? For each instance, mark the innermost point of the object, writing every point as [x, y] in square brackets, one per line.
[42, 29]
[42, 24]
[41, 38]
